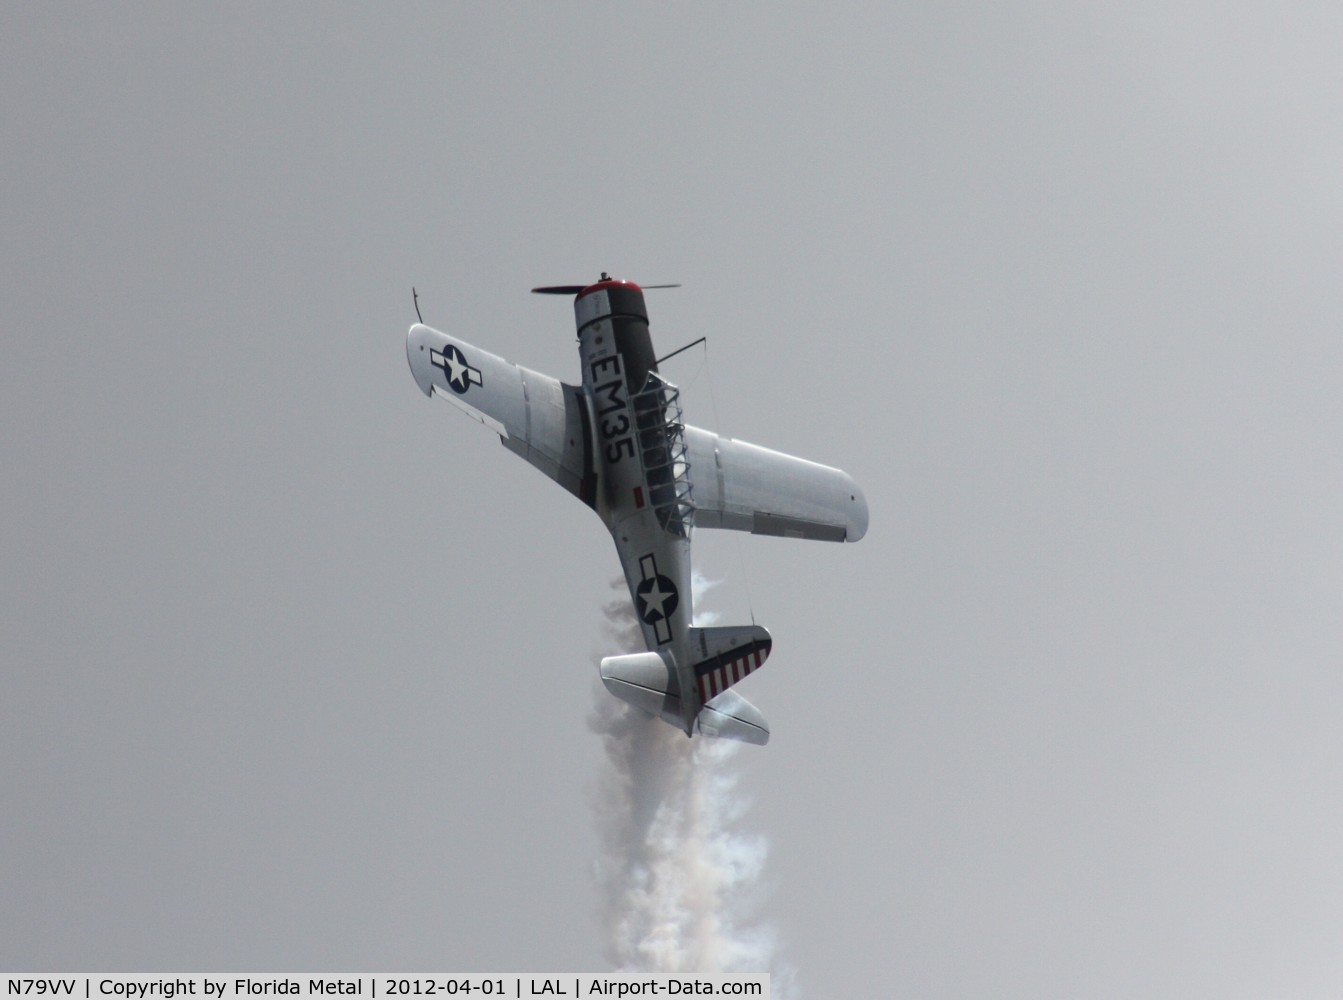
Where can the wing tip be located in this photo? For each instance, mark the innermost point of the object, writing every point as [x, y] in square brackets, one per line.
[415, 340]
[856, 520]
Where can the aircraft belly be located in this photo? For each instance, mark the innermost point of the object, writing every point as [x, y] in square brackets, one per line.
[657, 571]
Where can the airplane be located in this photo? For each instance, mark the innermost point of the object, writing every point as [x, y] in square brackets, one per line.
[618, 443]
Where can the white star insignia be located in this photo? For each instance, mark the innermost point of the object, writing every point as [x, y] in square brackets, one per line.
[458, 373]
[654, 600]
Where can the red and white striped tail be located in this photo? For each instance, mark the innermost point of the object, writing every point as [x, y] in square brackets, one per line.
[724, 655]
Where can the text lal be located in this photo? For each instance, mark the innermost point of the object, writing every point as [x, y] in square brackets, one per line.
[555, 988]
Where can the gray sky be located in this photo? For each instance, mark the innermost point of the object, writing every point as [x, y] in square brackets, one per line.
[297, 664]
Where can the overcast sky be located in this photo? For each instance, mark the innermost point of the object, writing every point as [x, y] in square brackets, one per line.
[297, 664]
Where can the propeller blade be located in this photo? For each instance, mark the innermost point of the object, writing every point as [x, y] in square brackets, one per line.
[575, 289]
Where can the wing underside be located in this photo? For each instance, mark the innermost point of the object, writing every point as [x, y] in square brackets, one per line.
[744, 487]
[537, 417]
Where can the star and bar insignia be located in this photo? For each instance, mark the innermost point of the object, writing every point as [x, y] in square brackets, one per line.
[658, 597]
[461, 376]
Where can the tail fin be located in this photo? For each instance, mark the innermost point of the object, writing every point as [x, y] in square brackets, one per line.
[725, 654]
[722, 657]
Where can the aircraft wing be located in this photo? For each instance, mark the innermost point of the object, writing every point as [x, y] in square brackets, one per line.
[748, 488]
[538, 417]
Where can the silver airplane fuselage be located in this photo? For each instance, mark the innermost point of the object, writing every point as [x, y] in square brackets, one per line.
[643, 490]
[618, 443]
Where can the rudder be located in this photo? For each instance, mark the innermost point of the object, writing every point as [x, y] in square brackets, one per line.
[726, 654]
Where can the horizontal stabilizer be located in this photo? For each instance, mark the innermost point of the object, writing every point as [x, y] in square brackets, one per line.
[732, 717]
[642, 679]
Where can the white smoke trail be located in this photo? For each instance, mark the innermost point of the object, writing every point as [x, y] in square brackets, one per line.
[679, 882]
